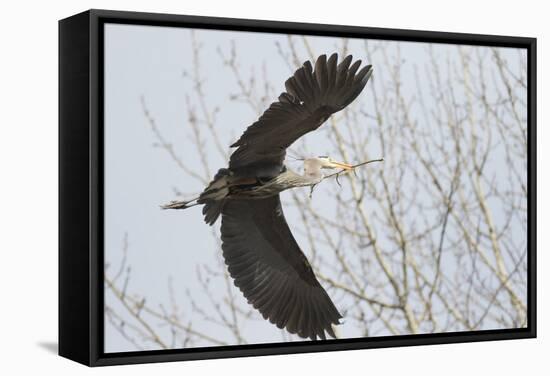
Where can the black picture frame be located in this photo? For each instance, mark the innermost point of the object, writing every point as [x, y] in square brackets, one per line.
[81, 186]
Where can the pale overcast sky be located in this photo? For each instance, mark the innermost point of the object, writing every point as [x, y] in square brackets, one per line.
[149, 61]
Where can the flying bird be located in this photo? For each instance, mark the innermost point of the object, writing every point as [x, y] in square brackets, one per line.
[262, 256]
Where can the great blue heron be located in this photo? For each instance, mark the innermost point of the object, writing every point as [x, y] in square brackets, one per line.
[262, 256]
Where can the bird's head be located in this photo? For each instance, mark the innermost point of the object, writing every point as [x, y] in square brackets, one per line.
[313, 166]
[327, 162]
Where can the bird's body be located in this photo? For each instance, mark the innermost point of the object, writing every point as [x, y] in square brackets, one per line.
[260, 187]
[265, 188]
[262, 256]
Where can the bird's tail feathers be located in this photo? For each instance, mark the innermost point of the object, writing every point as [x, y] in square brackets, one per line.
[213, 197]
[218, 187]
[212, 210]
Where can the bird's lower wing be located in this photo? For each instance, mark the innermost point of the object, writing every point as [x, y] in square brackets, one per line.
[270, 269]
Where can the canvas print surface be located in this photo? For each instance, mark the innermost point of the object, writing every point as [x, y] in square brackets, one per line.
[266, 188]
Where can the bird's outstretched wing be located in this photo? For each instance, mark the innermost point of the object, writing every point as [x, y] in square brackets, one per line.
[312, 95]
[270, 269]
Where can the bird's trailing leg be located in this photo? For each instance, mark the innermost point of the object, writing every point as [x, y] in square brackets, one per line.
[180, 204]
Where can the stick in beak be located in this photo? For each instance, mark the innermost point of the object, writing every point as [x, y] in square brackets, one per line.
[343, 166]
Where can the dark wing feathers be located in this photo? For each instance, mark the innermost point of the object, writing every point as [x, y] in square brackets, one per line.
[261, 253]
[311, 96]
[269, 268]
[331, 72]
[321, 73]
[342, 72]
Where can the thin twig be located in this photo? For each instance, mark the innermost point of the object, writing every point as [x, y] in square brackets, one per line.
[337, 174]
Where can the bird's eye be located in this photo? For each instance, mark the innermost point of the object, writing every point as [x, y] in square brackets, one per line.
[323, 156]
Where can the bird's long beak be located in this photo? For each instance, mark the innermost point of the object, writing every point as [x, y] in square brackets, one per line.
[341, 165]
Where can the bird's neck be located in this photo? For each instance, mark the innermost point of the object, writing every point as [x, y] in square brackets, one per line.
[305, 179]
